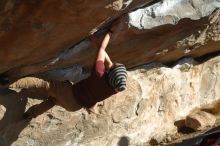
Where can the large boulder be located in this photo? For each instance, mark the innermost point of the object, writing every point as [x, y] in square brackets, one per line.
[39, 36]
[156, 97]
[161, 31]
[34, 31]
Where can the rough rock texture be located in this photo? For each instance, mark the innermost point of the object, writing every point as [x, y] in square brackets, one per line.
[156, 97]
[40, 35]
[200, 120]
[43, 28]
[148, 33]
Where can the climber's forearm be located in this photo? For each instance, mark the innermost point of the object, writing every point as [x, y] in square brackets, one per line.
[105, 41]
[101, 52]
[108, 61]
[101, 55]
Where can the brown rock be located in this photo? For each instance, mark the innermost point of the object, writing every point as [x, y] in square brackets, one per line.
[34, 31]
[36, 48]
[200, 120]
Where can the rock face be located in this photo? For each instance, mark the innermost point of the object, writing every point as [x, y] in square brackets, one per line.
[43, 28]
[162, 31]
[156, 97]
[40, 36]
[200, 120]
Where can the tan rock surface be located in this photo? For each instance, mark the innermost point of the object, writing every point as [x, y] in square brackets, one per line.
[37, 36]
[200, 120]
[156, 97]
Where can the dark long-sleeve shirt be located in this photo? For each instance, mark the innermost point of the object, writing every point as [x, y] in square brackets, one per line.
[95, 88]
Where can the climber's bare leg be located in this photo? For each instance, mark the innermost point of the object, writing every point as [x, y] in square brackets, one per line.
[53, 92]
[32, 87]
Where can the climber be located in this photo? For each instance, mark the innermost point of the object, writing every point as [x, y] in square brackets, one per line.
[106, 79]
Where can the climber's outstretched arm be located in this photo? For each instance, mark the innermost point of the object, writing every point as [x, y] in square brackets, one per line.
[101, 52]
[103, 61]
[108, 62]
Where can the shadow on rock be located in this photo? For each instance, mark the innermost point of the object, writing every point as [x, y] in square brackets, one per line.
[15, 118]
[196, 140]
[12, 122]
[124, 141]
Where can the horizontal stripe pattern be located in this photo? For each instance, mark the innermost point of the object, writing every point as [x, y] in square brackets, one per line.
[117, 77]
